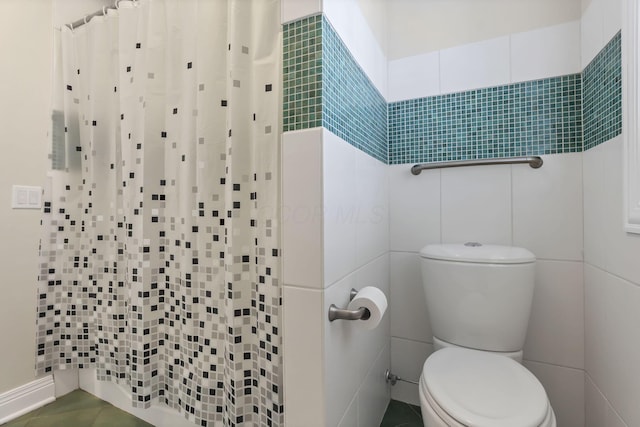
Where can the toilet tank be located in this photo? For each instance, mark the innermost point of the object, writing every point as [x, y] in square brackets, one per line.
[478, 296]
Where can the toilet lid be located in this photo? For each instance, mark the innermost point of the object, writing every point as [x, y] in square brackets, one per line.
[481, 389]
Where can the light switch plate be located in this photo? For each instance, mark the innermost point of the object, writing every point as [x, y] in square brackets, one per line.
[26, 197]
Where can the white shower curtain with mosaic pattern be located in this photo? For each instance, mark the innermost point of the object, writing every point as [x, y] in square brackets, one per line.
[160, 253]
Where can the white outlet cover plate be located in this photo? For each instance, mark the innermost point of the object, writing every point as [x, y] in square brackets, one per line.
[26, 197]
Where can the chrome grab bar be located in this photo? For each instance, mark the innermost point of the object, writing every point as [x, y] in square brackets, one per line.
[336, 313]
[534, 161]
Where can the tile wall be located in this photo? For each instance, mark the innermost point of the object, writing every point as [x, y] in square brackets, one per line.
[514, 205]
[353, 109]
[325, 86]
[509, 205]
[611, 268]
[543, 116]
[528, 118]
[602, 81]
[335, 223]
[542, 210]
[336, 237]
[302, 73]
[538, 209]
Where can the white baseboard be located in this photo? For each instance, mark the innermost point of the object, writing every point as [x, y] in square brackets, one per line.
[158, 415]
[26, 398]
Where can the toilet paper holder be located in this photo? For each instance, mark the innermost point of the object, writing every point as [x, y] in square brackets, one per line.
[336, 313]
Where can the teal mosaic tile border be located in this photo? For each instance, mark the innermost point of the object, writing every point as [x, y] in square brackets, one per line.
[302, 74]
[602, 81]
[530, 118]
[323, 85]
[352, 107]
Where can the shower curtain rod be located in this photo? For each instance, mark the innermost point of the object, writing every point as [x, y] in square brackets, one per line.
[86, 19]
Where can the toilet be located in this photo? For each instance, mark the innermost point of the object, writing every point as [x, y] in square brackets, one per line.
[478, 302]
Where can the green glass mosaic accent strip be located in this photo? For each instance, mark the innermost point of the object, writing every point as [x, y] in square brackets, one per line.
[352, 107]
[324, 86]
[302, 74]
[530, 118]
[602, 81]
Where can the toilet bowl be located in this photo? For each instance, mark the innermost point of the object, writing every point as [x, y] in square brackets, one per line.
[469, 388]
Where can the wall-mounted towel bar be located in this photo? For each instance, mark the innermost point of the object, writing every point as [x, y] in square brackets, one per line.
[533, 161]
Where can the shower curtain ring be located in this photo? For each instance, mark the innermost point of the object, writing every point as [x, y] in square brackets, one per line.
[85, 19]
[104, 11]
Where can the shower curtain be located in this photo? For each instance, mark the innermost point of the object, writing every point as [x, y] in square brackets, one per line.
[160, 253]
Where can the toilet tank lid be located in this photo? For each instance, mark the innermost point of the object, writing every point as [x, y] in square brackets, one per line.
[478, 253]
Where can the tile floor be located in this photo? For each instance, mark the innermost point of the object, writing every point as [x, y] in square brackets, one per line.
[77, 409]
[400, 414]
[81, 409]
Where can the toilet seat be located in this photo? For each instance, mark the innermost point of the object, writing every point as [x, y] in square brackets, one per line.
[479, 389]
[434, 416]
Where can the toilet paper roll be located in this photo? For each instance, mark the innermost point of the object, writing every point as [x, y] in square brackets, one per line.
[374, 300]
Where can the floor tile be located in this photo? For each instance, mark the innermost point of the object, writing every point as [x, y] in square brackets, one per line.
[112, 416]
[74, 401]
[78, 418]
[19, 422]
[400, 414]
[78, 409]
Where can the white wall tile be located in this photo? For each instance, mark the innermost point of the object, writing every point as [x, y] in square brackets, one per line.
[613, 419]
[414, 208]
[547, 52]
[598, 412]
[591, 30]
[339, 207]
[611, 348]
[295, 9]
[475, 65]
[476, 204]
[547, 207]
[350, 418]
[407, 360]
[303, 357]
[606, 243]
[374, 395]
[375, 273]
[624, 251]
[601, 20]
[372, 208]
[596, 199]
[408, 307]
[595, 404]
[556, 326]
[350, 350]
[565, 389]
[347, 19]
[344, 372]
[414, 77]
[302, 208]
[612, 17]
